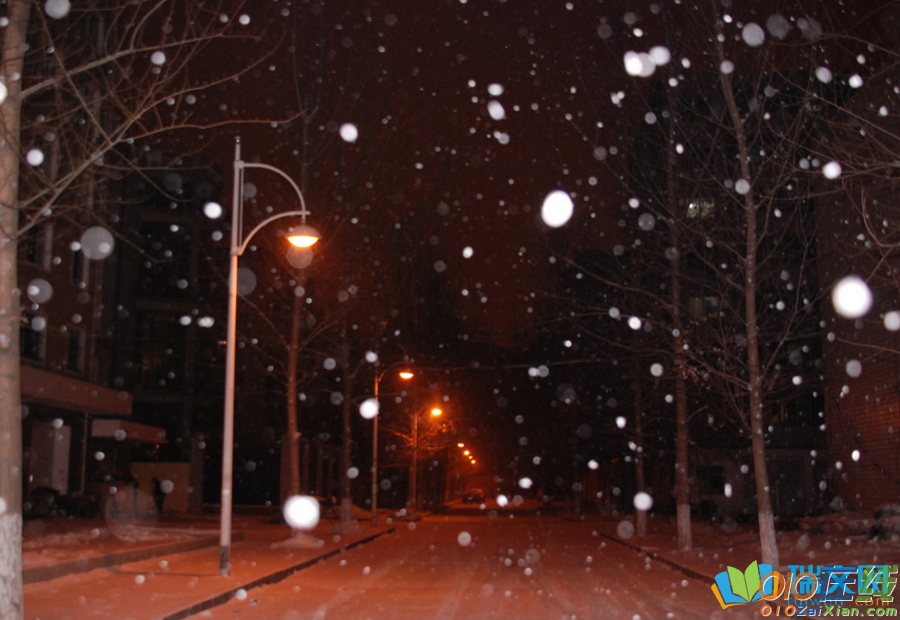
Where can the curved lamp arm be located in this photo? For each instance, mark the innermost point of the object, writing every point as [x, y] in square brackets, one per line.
[239, 243]
[244, 164]
[246, 242]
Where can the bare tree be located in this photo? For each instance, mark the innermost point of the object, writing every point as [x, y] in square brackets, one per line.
[724, 203]
[82, 86]
[857, 146]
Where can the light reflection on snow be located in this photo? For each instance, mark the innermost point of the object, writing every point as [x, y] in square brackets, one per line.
[753, 34]
[39, 291]
[212, 210]
[639, 64]
[35, 157]
[57, 9]
[625, 529]
[349, 132]
[643, 501]
[368, 409]
[301, 512]
[97, 243]
[851, 297]
[557, 209]
[832, 170]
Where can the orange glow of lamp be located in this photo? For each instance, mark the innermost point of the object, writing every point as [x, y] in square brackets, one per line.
[304, 236]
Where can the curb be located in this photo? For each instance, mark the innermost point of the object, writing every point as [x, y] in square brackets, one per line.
[221, 599]
[689, 572]
[37, 574]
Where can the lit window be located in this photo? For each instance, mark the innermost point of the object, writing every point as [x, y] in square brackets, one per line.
[700, 208]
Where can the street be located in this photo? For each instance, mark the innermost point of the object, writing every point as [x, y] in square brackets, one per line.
[468, 563]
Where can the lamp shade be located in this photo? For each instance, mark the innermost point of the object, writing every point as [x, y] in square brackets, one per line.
[303, 236]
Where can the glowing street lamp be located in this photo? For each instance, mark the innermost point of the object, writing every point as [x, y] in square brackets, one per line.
[303, 236]
[406, 375]
[435, 412]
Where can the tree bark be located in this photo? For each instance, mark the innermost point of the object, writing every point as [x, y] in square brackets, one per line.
[348, 524]
[675, 212]
[682, 433]
[766, 517]
[413, 499]
[12, 63]
[293, 434]
[639, 477]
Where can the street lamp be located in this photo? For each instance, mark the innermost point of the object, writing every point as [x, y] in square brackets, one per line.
[303, 236]
[406, 376]
[413, 474]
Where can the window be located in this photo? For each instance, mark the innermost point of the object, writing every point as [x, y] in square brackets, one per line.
[167, 268]
[75, 351]
[38, 245]
[79, 268]
[162, 350]
[31, 337]
[700, 208]
[702, 307]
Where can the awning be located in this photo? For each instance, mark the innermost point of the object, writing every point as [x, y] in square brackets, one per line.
[123, 430]
[48, 388]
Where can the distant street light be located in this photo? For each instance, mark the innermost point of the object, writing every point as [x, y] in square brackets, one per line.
[406, 376]
[414, 500]
[302, 236]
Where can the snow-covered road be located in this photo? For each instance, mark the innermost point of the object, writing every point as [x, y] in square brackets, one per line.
[466, 566]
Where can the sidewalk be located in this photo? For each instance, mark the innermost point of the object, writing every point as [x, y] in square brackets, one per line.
[78, 568]
[715, 547]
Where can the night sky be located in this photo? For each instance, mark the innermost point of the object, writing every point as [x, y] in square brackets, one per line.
[431, 165]
[468, 114]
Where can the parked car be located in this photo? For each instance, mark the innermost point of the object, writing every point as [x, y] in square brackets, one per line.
[475, 496]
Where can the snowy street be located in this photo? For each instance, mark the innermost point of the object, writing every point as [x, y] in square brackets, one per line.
[463, 564]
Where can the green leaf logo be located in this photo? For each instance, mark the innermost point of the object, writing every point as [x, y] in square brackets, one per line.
[736, 587]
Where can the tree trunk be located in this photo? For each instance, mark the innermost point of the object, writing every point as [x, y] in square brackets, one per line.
[348, 524]
[11, 60]
[682, 463]
[682, 434]
[768, 543]
[413, 499]
[639, 478]
[293, 435]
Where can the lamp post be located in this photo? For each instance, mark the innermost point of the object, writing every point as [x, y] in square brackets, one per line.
[406, 376]
[413, 474]
[302, 236]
